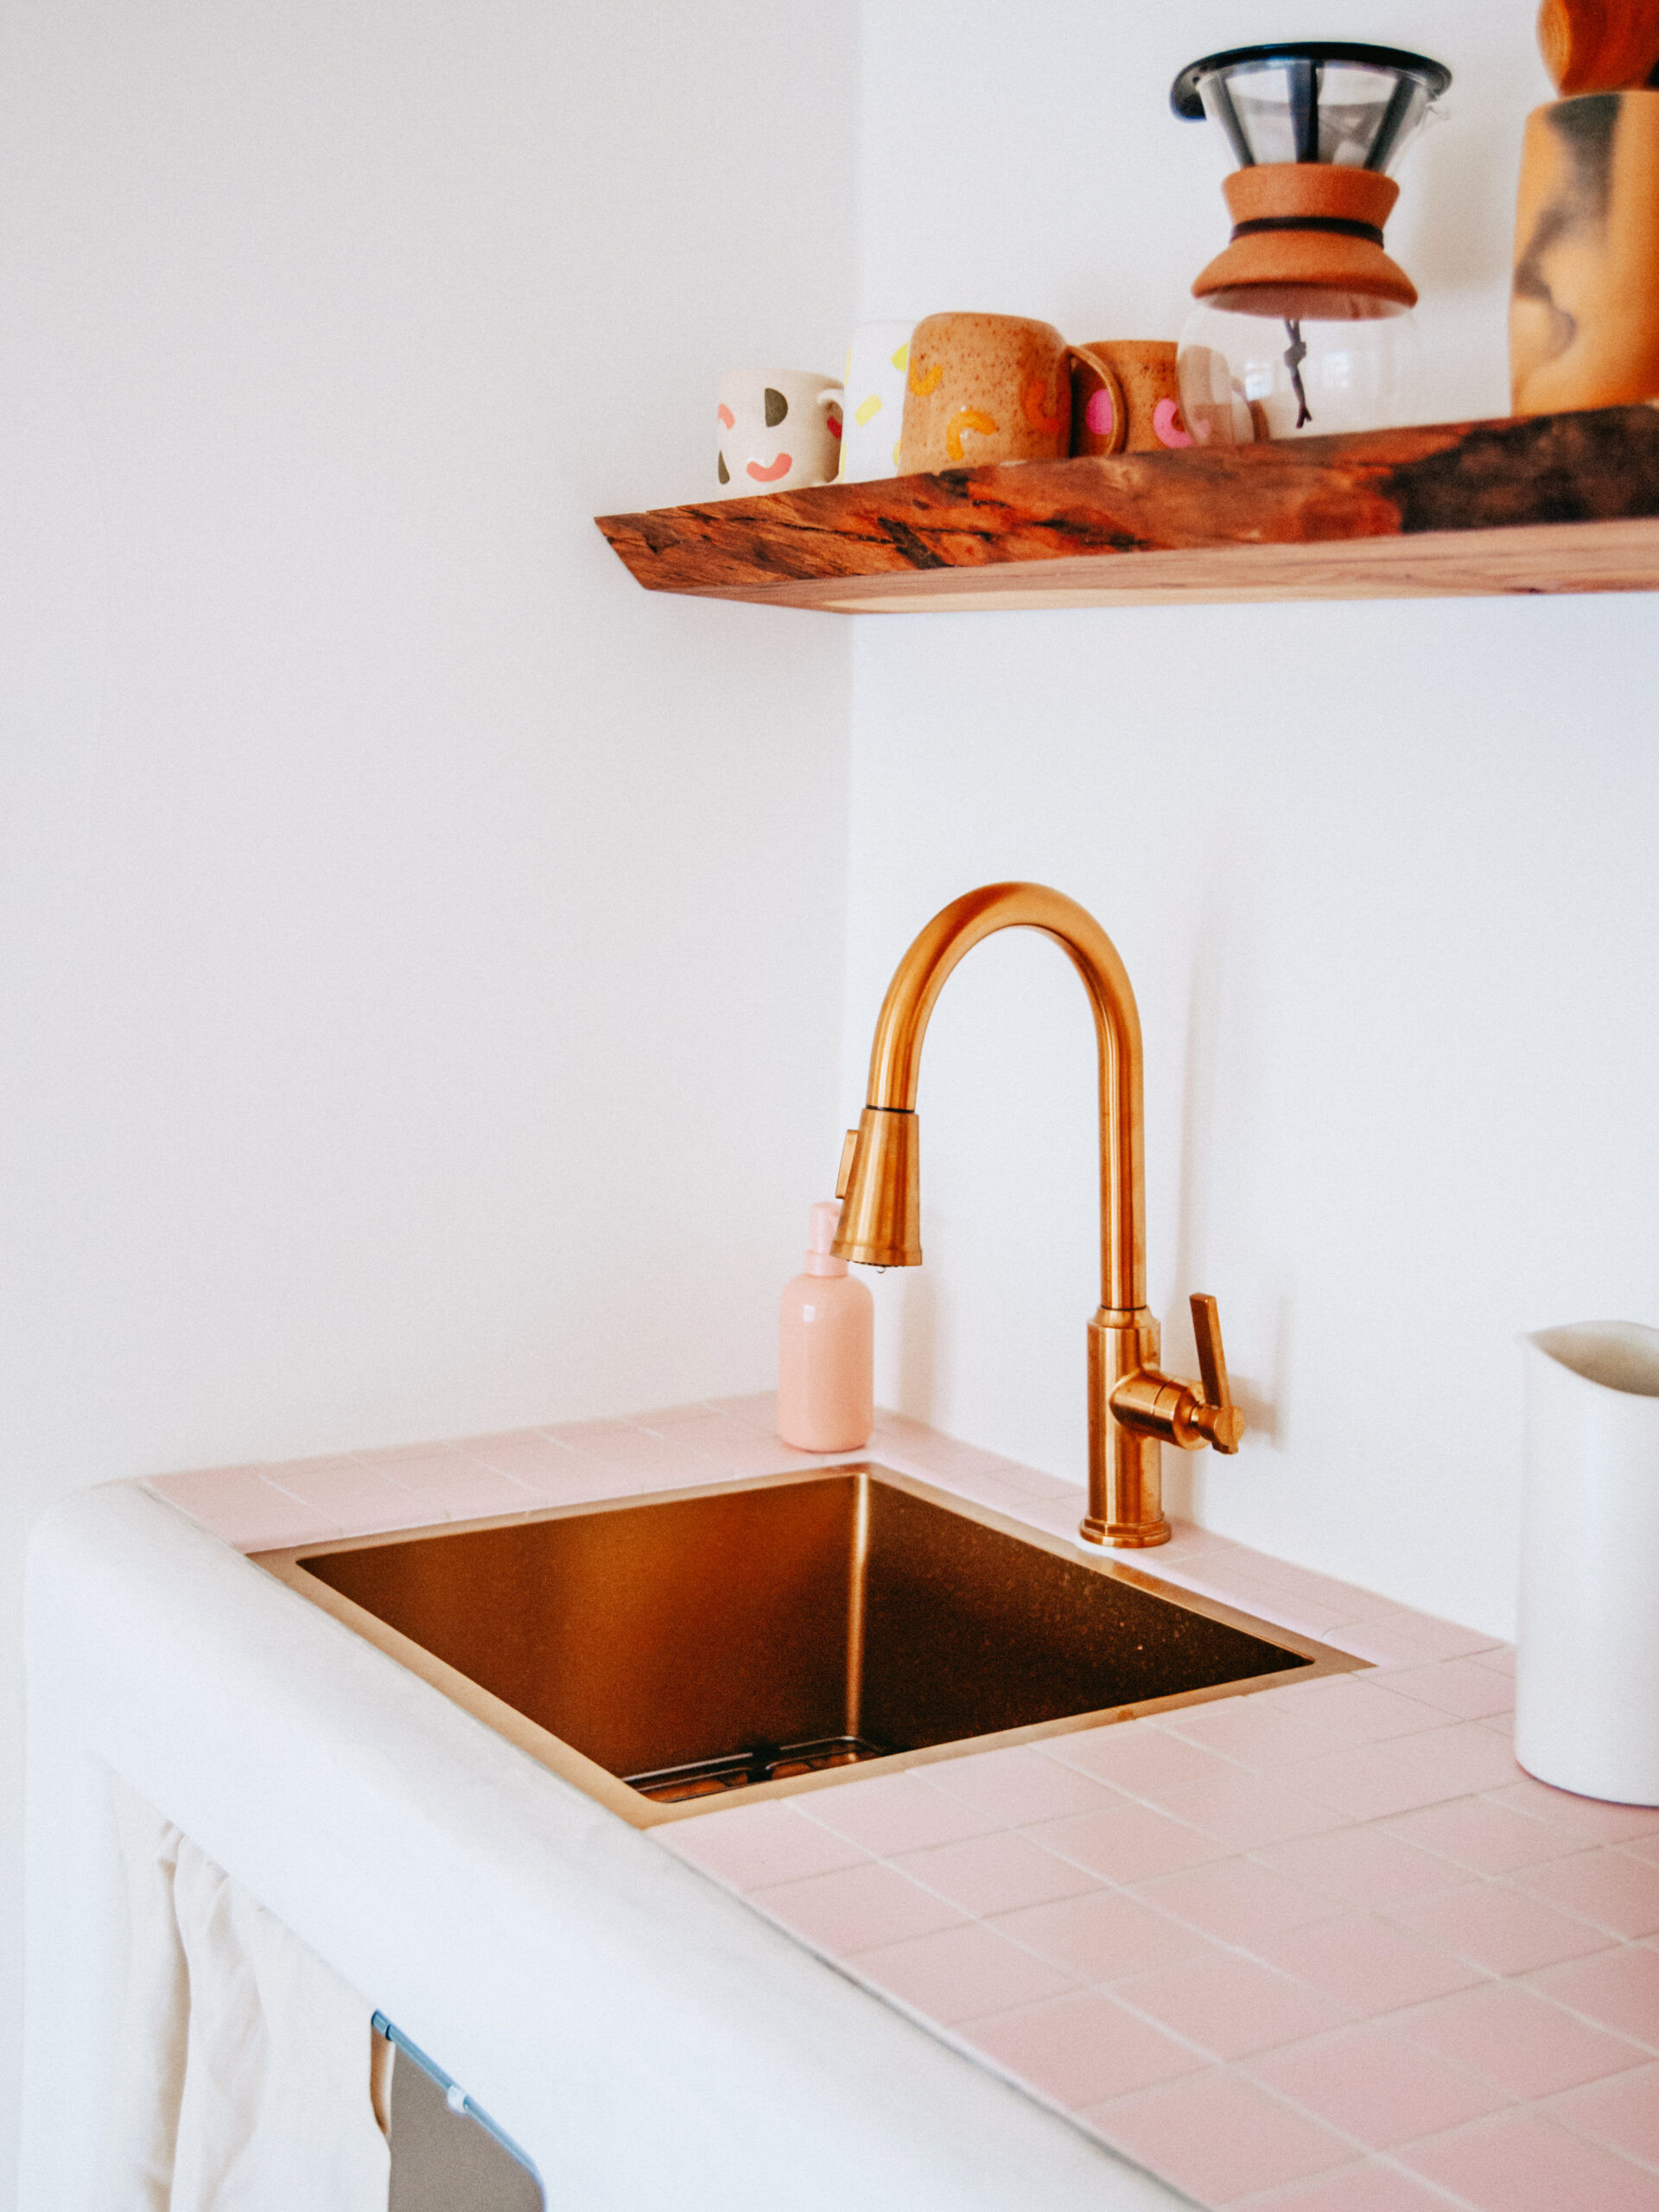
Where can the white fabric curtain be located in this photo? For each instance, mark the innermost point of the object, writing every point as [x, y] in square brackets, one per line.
[251, 2077]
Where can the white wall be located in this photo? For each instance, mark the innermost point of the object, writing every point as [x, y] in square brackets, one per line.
[1382, 874]
[420, 949]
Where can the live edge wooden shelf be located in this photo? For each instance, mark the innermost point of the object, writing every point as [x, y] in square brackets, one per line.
[1546, 503]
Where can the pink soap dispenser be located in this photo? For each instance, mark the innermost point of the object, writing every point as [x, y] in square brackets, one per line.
[826, 1349]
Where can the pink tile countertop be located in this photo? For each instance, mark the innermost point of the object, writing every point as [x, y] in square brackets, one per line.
[1323, 1948]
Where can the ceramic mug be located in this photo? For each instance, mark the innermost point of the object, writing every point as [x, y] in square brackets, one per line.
[1148, 392]
[779, 430]
[984, 388]
[1584, 314]
[878, 361]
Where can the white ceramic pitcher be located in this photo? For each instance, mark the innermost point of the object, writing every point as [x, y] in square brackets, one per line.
[1587, 1661]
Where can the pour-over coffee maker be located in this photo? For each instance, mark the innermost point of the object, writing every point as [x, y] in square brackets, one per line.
[1304, 325]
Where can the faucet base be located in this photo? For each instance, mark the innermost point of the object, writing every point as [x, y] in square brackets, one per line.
[1126, 1536]
[1126, 1474]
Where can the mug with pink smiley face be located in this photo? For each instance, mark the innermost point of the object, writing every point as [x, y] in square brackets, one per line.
[779, 430]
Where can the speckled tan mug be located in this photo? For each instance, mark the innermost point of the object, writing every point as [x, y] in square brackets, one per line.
[985, 388]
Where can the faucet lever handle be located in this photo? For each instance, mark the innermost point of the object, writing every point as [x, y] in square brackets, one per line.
[844, 1173]
[1218, 1419]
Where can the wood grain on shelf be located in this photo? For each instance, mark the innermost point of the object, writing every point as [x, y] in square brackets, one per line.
[1558, 503]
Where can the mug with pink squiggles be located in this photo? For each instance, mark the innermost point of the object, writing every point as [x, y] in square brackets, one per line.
[1148, 393]
[779, 430]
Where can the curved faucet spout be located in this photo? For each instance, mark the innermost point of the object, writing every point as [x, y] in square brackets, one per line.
[1134, 1408]
[881, 1214]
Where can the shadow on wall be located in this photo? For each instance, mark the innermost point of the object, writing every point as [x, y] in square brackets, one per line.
[1260, 1396]
[919, 1344]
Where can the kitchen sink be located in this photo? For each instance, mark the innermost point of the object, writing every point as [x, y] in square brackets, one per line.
[670, 1654]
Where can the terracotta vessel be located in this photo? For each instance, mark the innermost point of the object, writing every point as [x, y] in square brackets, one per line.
[1151, 398]
[984, 388]
[1584, 314]
[1599, 46]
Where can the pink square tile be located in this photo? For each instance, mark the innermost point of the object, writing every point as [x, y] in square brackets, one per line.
[1020, 1786]
[1521, 2162]
[895, 1812]
[1101, 1935]
[1272, 1602]
[1375, 2088]
[1361, 1866]
[761, 1408]
[1134, 1756]
[1454, 1762]
[651, 1461]
[1367, 1963]
[1027, 1482]
[996, 1873]
[1499, 1928]
[1475, 1832]
[960, 1974]
[588, 1482]
[1187, 1542]
[1235, 1900]
[1589, 1819]
[1245, 1811]
[1345, 1598]
[579, 1433]
[413, 1455]
[707, 1430]
[428, 1468]
[1643, 1847]
[500, 1449]
[1128, 1842]
[1357, 1708]
[299, 1477]
[1078, 2049]
[1609, 1888]
[1368, 2187]
[1410, 1639]
[1457, 1686]
[1518, 2041]
[857, 1908]
[658, 1416]
[1230, 2006]
[1501, 1658]
[753, 1846]
[1364, 1783]
[358, 1499]
[1266, 1730]
[552, 1471]
[732, 1447]
[1058, 1516]
[1219, 2137]
[239, 1505]
[1617, 1989]
[1622, 2112]
[947, 1456]
[472, 1493]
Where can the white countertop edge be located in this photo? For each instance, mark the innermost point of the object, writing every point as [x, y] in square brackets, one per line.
[634, 2026]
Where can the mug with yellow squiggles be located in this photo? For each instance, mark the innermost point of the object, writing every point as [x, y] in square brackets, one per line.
[992, 388]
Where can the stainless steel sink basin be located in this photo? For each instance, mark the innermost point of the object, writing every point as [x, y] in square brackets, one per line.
[671, 1654]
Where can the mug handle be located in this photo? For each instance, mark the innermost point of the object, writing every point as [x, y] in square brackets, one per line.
[1108, 376]
[835, 395]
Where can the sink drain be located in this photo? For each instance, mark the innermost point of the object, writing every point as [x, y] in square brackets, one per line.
[671, 1785]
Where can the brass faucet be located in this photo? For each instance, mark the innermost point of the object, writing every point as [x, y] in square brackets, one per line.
[1133, 1408]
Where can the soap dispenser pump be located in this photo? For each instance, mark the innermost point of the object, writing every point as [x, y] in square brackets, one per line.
[826, 1349]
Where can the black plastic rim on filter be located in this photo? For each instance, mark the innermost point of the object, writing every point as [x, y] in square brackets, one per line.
[1184, 96]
